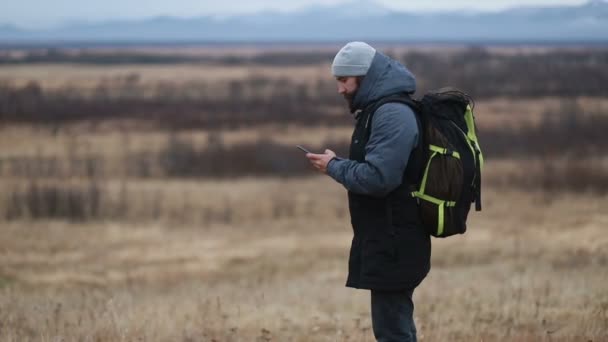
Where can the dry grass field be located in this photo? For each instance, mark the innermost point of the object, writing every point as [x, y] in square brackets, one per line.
[531, 267]
[87, 76]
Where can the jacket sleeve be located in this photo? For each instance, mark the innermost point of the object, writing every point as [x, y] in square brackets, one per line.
[394, 135]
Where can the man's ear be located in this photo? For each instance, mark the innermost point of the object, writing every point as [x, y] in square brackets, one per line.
[360, 80]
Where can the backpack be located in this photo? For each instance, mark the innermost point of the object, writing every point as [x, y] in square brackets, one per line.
[451, 176]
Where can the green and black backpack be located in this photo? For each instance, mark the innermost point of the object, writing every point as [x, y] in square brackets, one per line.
[451, 177]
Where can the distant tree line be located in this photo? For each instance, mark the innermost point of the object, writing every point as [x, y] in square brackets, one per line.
[485, 75]
[230, 105]
[57, 55]
[260, 99]
[566, 134]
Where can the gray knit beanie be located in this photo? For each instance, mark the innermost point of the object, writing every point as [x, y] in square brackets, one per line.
[354, 59]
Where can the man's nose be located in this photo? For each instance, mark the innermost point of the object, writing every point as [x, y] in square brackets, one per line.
[341, 89]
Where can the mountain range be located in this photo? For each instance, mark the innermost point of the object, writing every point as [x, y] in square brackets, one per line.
[365, 20]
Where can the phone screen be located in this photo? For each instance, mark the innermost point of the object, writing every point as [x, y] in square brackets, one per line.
[303, 149]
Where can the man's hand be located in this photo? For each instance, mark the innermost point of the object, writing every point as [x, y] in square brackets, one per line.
[320, 161]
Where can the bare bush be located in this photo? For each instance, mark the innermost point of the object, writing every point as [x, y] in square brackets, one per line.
[54, 201]
[181, 158]
[570, 131]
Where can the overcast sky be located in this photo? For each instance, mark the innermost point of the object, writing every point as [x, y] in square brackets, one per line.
[42, 14]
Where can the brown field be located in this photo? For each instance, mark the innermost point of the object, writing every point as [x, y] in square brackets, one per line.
[530, 268]
[151, 256]
[88, 76]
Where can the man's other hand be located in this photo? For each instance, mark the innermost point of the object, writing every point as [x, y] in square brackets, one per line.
[320, 161]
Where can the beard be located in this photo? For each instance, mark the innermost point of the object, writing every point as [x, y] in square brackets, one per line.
[349, 98]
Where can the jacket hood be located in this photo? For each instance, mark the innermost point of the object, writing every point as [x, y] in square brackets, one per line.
[385, 77]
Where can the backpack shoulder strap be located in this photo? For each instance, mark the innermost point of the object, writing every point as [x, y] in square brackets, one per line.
[413, 173]
[398, 98]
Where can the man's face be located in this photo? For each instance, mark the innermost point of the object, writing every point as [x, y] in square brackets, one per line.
[347, 87]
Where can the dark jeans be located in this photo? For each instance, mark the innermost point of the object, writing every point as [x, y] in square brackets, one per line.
[393, 316]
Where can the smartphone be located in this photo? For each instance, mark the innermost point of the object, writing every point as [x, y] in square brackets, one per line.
[303, 149]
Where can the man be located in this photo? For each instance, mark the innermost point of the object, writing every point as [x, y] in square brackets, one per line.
[390, 251]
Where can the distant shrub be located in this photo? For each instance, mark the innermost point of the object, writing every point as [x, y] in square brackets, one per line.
[54, 201]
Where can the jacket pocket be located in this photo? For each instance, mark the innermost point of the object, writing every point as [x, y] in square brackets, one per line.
[379, 256]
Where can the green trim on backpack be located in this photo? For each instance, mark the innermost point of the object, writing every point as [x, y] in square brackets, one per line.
[444, 151]
[436, 149]
[426, 173]
[441, 205]
[472, 135]
[432, 199]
